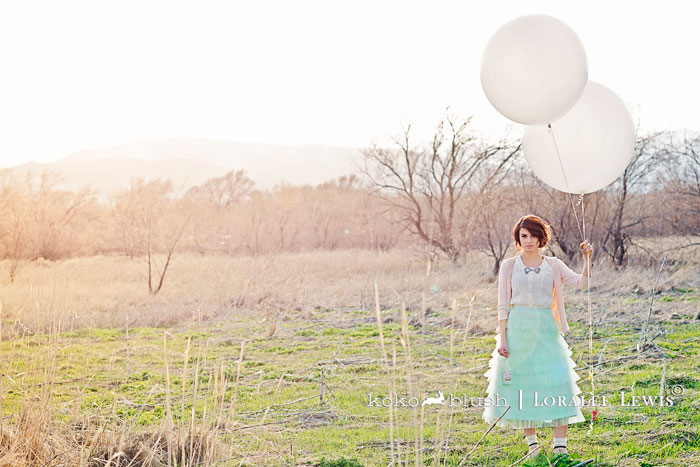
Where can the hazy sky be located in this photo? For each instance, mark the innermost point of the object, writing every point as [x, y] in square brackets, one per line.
[80, 74]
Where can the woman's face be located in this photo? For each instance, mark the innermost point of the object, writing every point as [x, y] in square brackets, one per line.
[528, 241]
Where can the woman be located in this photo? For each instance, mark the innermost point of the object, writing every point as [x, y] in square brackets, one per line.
[531, 368]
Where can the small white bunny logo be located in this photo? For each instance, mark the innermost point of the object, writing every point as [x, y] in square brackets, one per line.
[434, 400]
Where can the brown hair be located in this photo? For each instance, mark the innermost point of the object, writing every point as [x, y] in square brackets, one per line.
[536, 227]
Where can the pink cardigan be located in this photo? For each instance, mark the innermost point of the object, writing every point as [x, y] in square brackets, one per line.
[560, 271]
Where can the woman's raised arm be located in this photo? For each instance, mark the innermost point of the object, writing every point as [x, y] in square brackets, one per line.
[570, 277]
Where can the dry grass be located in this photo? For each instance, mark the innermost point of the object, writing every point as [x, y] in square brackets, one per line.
[35, 439]
[38, 435]
[111, 291]
[32, 439]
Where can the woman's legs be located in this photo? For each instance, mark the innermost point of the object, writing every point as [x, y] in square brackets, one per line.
[531, 439]
[560, 433]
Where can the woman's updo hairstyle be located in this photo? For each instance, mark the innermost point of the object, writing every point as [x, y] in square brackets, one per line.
[536, 227]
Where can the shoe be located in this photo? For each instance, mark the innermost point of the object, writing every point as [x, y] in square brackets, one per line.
[559, 450]
[534, 450]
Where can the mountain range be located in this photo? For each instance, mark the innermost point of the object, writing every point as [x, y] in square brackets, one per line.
[190, 161]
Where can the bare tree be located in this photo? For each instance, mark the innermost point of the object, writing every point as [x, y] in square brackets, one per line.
[494, 212]
[214, 206]
[54, 213]
[329, 210]
[380, 223]
[16, 215]
[682, 183]
[39, 220]
[224, 191]
[428, 182]
[643, 166]
[251, 224]
[285, 217]
[154, 223]
[488, 212]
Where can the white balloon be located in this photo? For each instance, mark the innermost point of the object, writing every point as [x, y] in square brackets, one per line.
[534, 69]
[595, 141]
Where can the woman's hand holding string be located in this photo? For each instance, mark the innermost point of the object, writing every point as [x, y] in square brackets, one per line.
[503, 348]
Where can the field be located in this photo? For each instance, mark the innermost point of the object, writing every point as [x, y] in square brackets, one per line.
[271, 360]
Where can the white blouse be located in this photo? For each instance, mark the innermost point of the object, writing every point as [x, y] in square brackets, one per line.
[532, 286]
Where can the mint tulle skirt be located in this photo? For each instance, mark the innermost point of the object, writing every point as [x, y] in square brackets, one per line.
[542, 389]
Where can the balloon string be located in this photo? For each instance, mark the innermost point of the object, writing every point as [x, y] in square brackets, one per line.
[566, 181]
[582, 230]
[590, 322]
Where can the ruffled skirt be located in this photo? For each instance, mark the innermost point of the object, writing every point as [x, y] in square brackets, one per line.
[543, 389]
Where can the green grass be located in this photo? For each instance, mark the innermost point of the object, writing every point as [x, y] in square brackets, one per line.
[94, 376]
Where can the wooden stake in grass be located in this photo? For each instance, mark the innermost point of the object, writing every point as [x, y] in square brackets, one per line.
[419, 459]
[391, 406]
[379, 322]
[224, 381]
[168, 409]
[194, 395]
[184, 375]
[184, 382]
[234, 396]
[385, 365]
[168, 406]
[405, 342]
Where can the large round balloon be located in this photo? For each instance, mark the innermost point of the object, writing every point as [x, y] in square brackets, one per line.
[595, 141]
[534, 69]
